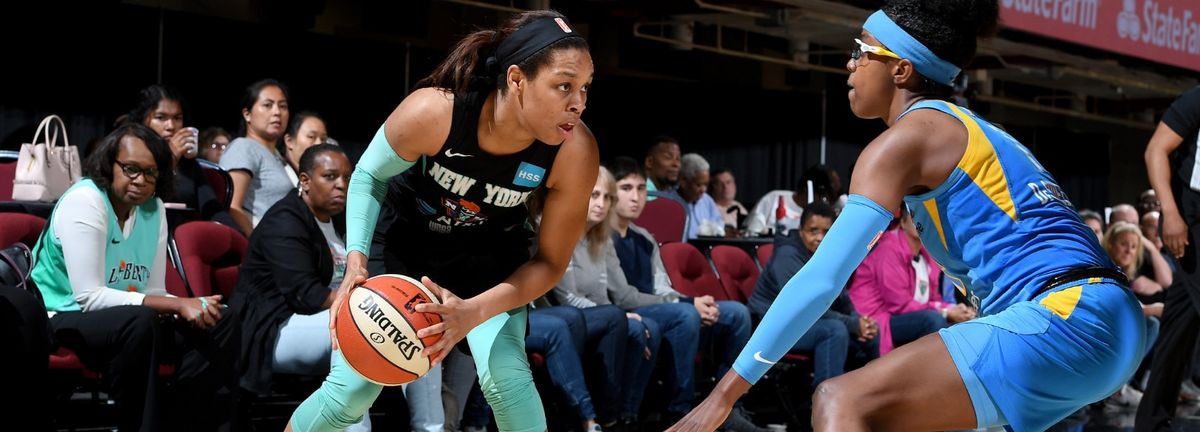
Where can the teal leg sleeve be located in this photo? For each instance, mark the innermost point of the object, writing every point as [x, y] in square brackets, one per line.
[341, 401]
[498, 347]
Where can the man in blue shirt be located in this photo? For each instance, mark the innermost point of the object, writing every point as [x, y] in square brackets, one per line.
[703, 216]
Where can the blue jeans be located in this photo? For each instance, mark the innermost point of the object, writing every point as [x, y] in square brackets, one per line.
[680, 326]
[828, 340]
[607, 331]
[913, 325]
[641, 336]
[558, 333]
[728, 335]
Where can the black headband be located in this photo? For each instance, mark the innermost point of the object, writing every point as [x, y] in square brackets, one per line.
[529, 39]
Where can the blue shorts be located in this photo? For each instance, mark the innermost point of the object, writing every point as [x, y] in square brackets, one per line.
[1035, 363]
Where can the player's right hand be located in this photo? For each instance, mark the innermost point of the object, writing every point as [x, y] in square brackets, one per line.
[356, 274]
[1174, 233]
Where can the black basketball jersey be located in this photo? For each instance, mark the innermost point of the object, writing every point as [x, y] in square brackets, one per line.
[462, 189]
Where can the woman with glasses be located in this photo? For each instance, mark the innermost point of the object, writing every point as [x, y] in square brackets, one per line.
[1059, 326]
[213, 142]
[100, 266]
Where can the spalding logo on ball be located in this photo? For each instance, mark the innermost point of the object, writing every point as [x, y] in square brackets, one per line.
[377, 329]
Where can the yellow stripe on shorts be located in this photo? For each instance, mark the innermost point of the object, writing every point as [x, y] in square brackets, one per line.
[1062, 303]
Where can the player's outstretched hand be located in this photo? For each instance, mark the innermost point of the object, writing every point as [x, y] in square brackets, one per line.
[711, 413]
[706, 417]
[458, 318]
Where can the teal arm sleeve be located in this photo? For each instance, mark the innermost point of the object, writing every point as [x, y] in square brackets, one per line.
[368, 187]
[806, 296]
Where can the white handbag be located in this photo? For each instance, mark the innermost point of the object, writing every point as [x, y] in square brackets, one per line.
[46, 169]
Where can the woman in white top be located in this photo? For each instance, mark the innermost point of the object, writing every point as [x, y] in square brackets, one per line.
[100, 266]
[259, 173]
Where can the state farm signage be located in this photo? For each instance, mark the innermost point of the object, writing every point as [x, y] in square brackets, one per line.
[1165, 31]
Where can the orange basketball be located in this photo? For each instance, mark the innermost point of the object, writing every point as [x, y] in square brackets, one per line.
[377, 329]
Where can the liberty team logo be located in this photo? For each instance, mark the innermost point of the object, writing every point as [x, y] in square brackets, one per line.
[462, 212]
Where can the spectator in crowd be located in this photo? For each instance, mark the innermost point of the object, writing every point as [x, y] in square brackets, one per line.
[105, 297]
[213, 142]
[1148, 202]
[762, 218]
[161, 109]
[704, 219]
[898, 286]
[259, 173]
[841, 331]
[1128, 249]
[1094, 221]
[662, 164]
[723, 188]
[1170, 157]
[305, 130]
[1149, 228]
[642, 285]
[286, 284]
[593, 279]
[1123, 213]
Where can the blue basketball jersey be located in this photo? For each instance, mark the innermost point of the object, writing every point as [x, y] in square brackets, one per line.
[1000, 226]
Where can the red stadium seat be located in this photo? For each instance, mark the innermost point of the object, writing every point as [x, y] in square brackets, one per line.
[763, 254]
[210, 254]
[690, 273]
[8, 171]
[20, 228]
[219, 180]
[737, 271]
[665, 218]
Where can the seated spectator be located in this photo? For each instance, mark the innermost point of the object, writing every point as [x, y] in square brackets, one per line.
[703, 217]
[161, 109]
[100, 266]
[259, 173]
[723, 189]
[762, 218]
[1094, 221]
[1148, 202]
[213, 142]
[898, 286]
[830, 338]
[662, 164]
[590, 281]
[1123, 213]
[638, 281]
[290, 275]
[561, 333]
[1149, 227]
[1129, 250]
[305, 130]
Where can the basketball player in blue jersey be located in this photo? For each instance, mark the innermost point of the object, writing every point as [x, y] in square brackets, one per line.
[1059, 327]
[497, 120]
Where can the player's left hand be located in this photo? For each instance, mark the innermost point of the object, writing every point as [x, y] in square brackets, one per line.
[458, 318]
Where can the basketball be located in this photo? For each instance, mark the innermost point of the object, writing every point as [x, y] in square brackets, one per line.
[377, 329]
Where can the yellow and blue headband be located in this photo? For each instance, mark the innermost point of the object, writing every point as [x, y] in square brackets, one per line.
[900, 42]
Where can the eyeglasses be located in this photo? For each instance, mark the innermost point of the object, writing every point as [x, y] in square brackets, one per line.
[132, 171]
[857, 53]
[215, 146]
